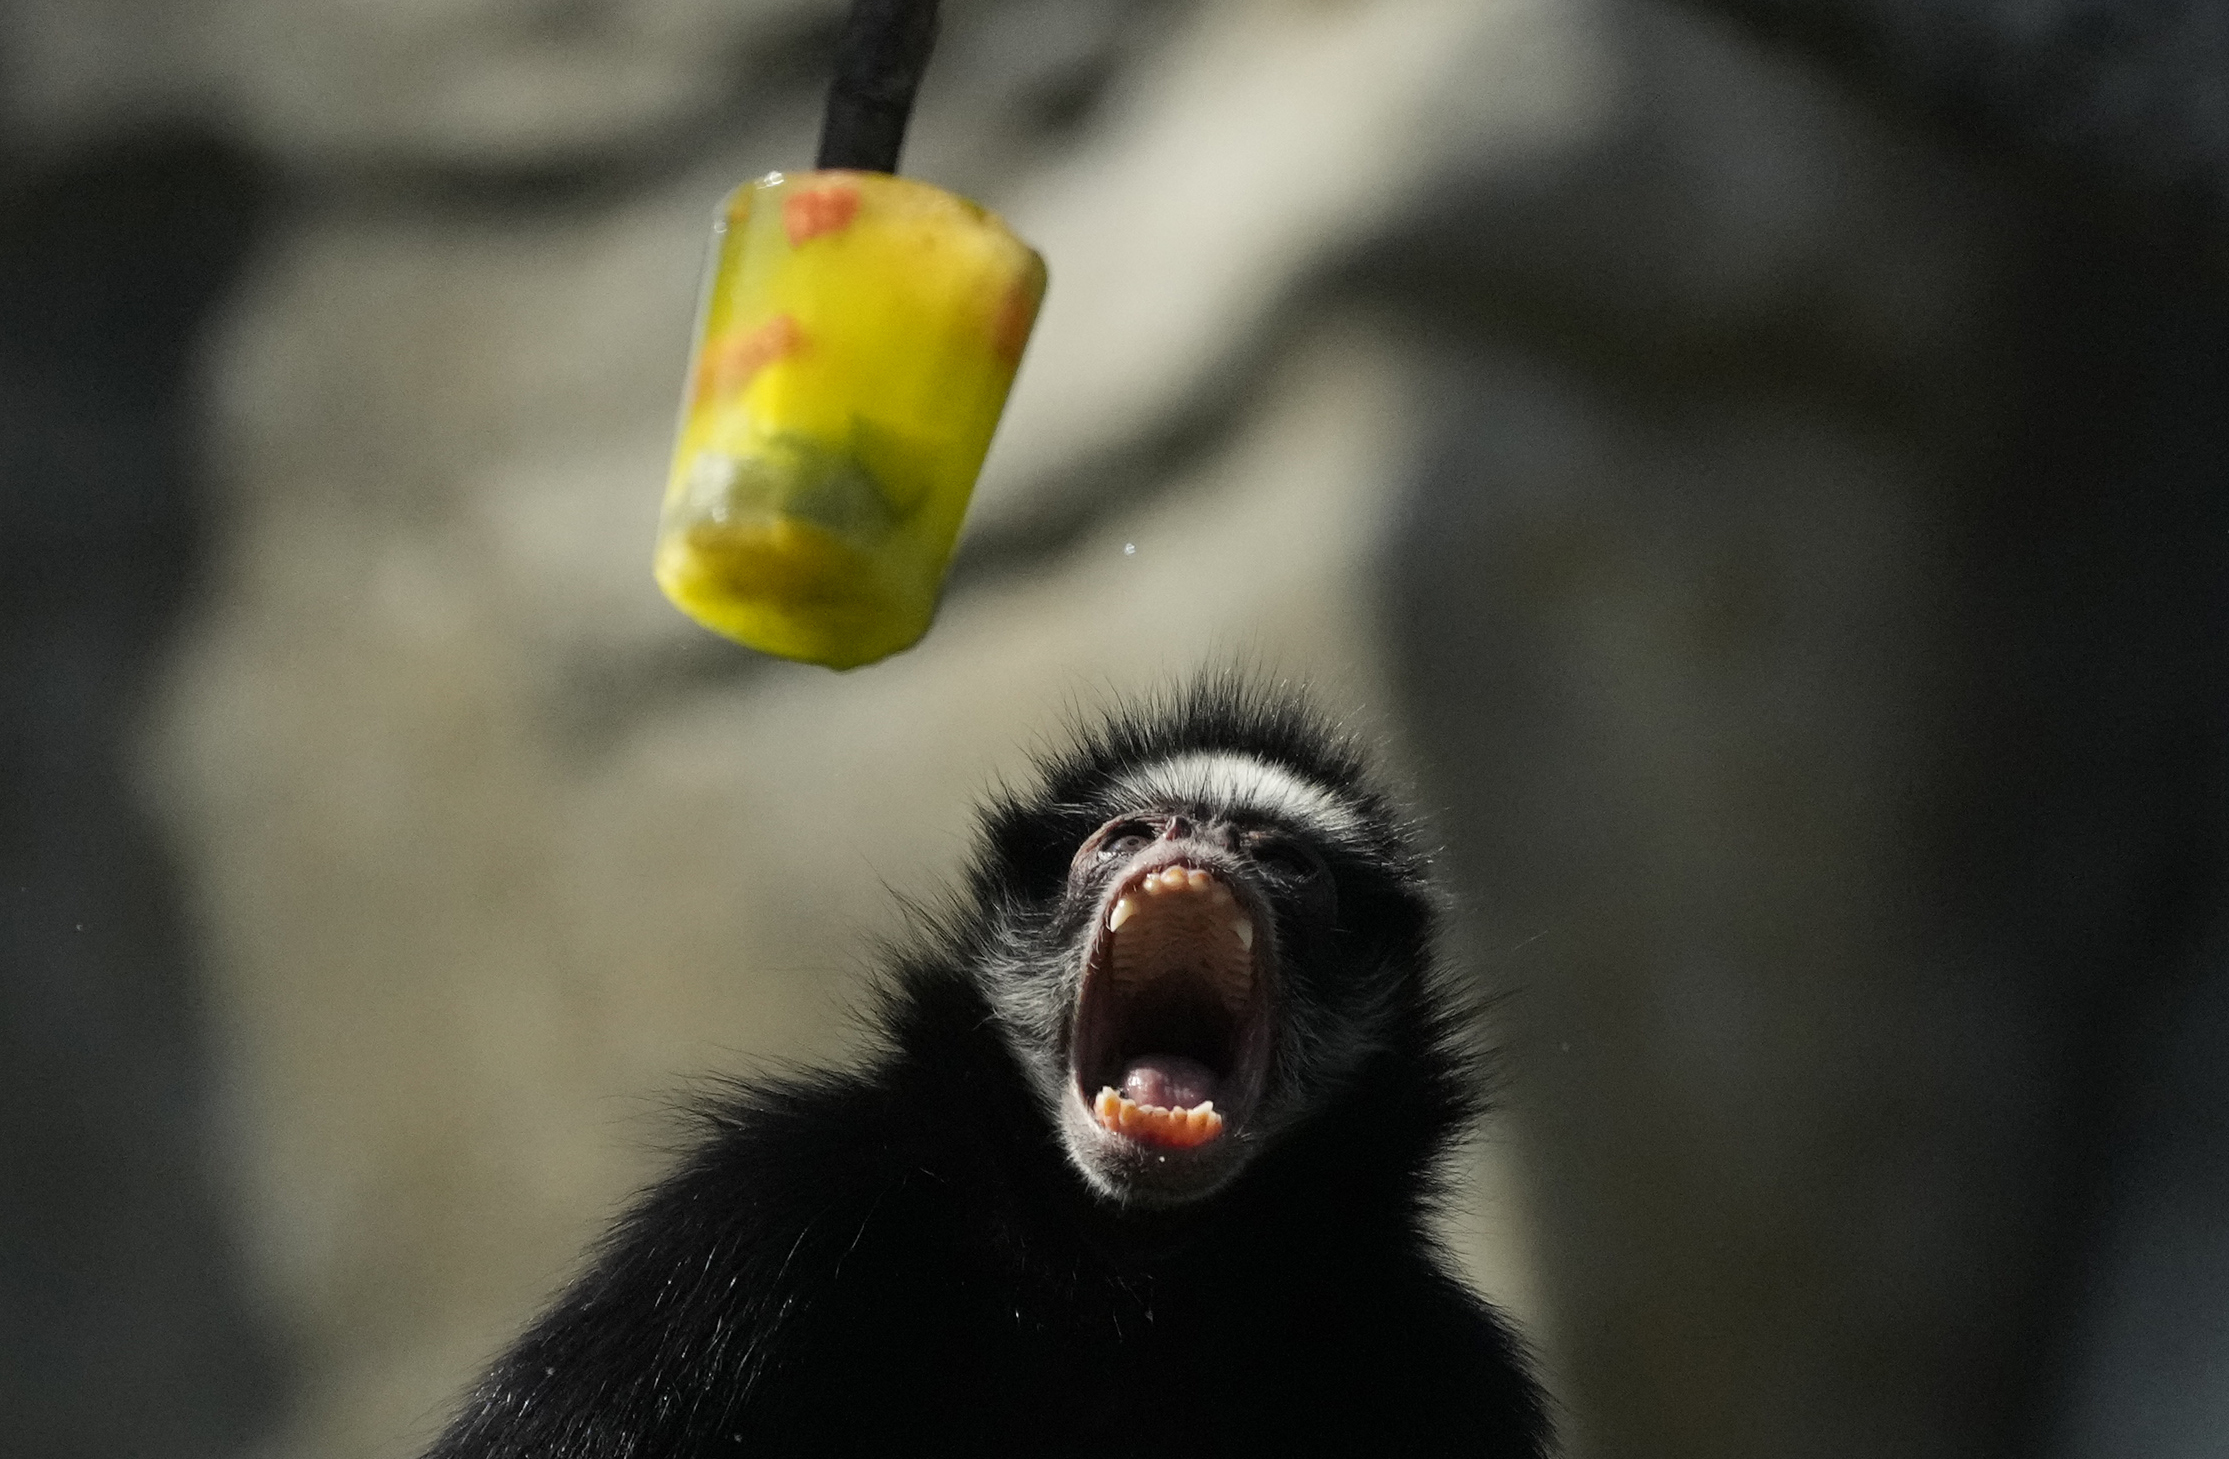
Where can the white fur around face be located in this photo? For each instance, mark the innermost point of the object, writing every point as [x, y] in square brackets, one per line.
[1234, 782]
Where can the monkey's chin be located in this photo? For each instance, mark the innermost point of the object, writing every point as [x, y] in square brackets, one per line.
[1139, 1172]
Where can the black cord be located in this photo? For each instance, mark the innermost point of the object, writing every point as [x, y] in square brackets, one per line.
[885, 49]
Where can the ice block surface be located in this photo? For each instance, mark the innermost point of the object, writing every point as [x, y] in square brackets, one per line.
[858, 336]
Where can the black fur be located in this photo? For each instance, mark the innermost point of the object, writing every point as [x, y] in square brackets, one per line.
[903, 1259]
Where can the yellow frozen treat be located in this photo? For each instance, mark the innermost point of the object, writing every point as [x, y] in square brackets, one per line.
[858, 336]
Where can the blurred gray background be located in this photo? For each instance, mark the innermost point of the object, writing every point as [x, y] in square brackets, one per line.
[1758, 466]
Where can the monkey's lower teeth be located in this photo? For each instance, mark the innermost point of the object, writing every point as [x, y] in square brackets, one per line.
[1150, 1124]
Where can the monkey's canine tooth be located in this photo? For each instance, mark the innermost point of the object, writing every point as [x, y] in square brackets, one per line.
[1244, 927]
[1123, 911]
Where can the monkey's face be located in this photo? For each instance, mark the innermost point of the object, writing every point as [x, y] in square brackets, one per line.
[1223, 955]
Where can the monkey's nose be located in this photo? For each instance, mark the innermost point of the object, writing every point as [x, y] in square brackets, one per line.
[1220, 835]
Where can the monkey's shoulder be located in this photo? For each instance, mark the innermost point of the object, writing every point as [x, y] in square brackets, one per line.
[718, 1305]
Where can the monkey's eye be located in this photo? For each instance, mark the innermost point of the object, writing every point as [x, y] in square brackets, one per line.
[1288, 858]
[1126, 838]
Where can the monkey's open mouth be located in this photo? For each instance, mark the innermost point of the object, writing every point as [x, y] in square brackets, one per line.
[1169, 1028]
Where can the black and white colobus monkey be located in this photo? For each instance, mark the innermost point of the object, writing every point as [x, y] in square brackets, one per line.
[1143, 1167]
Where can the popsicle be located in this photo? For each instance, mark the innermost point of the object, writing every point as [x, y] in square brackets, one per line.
[856, 341]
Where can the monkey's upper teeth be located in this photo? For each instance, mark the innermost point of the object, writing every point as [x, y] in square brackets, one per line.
[1182, 879]
[1173, 921]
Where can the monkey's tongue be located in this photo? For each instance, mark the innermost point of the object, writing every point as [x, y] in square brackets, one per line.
[1168, 1080]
